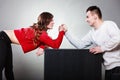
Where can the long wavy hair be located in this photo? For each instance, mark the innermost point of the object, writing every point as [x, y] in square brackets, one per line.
[43, 21]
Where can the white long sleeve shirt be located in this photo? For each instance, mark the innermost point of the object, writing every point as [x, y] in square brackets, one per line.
[107, 36]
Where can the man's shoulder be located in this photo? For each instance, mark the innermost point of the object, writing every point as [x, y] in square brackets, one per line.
[109, 22]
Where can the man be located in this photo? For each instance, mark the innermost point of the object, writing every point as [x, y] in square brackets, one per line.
[105, 35]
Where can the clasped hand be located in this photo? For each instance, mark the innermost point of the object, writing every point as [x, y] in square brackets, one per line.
[62, 27]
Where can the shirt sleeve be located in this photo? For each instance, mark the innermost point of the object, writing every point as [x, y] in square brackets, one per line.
[42, 46]
[114, 41]
[54, 43]
[79, 43]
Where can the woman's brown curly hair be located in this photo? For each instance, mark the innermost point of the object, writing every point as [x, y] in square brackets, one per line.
[43, 21]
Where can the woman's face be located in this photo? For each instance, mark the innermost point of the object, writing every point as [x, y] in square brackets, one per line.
[51, 24]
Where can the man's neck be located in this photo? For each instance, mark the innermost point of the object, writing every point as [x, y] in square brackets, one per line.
[98, 23]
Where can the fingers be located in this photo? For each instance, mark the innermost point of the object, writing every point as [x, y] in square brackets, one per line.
[95, 50]
[62, 27]
[92, 50]
[40, 52]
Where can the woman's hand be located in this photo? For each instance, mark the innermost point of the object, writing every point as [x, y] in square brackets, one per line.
[40, 52]
[63, 27]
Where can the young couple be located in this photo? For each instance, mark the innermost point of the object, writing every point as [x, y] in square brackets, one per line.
[105, 35]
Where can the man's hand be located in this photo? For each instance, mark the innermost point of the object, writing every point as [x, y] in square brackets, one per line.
[62, 27]
[96, 50]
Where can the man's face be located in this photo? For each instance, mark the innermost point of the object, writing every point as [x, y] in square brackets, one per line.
[90, 18]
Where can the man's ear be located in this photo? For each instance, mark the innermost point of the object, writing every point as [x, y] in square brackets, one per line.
[95, 16]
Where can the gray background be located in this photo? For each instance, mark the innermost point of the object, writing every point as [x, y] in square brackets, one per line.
[15, 14]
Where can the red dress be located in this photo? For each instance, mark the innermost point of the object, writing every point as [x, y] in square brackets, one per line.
[26, 36]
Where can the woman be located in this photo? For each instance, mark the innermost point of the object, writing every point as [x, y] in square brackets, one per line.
[29, 38]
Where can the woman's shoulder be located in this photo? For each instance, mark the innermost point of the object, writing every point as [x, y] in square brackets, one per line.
[44, 33]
